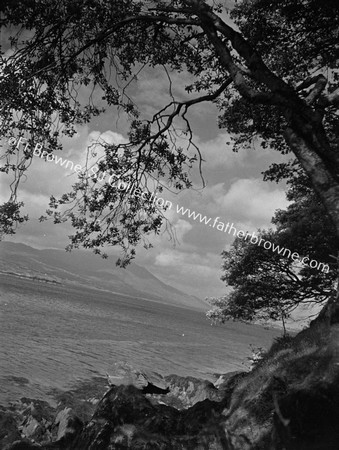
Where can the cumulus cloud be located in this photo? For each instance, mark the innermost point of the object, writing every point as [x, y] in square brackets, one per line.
[250, 201]
[183, 269]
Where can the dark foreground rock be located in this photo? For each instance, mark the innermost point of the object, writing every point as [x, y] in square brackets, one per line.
[9, 431]
[152, 412]
[126, 419]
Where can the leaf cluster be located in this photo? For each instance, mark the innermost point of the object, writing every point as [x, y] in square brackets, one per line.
[296, 39]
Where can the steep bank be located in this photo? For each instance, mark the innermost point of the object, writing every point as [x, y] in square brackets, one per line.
[290, 400]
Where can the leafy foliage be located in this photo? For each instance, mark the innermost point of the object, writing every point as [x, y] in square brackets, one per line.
[268, 285]
[10, 217]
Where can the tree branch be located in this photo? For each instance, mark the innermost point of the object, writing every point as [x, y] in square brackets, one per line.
[116, 27]
[309, 82]
[186, 105]
[331, 99]
[254, 62]
[235, 72]
[319, 86]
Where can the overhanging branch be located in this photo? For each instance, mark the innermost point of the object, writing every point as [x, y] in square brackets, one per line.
[183, 106]
[116, 27]
[331, 99]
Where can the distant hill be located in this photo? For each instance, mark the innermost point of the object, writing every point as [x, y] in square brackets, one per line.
[86, 269]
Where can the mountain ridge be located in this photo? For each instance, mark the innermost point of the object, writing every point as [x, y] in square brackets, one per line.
[85, 268]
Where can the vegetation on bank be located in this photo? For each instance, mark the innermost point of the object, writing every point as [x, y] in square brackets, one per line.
[291, 397]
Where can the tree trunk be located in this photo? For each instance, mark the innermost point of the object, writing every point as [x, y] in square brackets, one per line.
[327, 187]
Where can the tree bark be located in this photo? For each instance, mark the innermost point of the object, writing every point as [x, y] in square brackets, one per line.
[327, 187]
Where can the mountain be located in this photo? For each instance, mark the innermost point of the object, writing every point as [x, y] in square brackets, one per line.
[86, 269]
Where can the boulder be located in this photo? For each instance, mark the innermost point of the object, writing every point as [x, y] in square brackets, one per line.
[33, 418]
[187, 391]
[66, 423]
[38, 409]
[32, 429]
[147, 381]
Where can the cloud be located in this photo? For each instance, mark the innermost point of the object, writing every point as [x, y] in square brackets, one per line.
[249, 201]
[252, 201]
[181, 228]
[218, 153]
[190, 272]
[169, 258]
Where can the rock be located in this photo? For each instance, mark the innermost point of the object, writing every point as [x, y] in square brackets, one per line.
[148, 382]
[34, 418]
[125, 419]
[187, 391]
[39, 409]
[9, 431]
[134, 417]
[154, 390]
[32, 429]
[64, 422]
[172, 390]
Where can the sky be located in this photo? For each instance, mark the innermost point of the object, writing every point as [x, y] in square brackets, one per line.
[235, 192]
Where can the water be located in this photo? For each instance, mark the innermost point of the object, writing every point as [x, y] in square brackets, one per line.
[52, 337]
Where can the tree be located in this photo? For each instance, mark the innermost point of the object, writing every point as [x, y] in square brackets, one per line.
[268, 285]
[275, 78]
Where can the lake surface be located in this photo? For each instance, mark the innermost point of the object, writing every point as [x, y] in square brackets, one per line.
[52, 337]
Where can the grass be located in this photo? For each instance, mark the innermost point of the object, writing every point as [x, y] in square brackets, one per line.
[305, 362]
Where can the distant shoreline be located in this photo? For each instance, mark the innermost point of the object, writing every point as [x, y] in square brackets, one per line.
[29, 277]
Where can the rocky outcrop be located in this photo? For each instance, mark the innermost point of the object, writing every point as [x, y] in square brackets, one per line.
[153, 412]
[172, 390]
[126, 419]
[26, 419]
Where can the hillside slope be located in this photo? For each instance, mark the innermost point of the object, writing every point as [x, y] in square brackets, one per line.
[86, 269]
